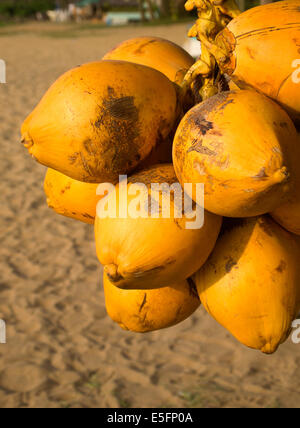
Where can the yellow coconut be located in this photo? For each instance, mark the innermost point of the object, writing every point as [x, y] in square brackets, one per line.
[71, 198]
[163, 55]
[144, 243]
[260, 48]
[101, 120]
[148, 310]
[288, 214]
[238, 144]
[161, 153]
[251, 282]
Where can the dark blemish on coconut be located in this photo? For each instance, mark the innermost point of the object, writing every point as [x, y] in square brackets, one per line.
[140, 49]
[88, 216]
[282, 267]
[283, 125]
[157, 269]
[73, 158]
[90, 147]
[204, 125]
[197, 146]
[143, 302]
[122, 108]
[230, 264]
[265, 225]
[262, 174]
[223, 106]
[68, 187]
[192, 288]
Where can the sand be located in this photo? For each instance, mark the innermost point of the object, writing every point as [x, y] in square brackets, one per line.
[62, 349]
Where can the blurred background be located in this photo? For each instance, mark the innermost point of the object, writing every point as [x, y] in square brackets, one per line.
[109, 12]
[84, 16]
[62, 350]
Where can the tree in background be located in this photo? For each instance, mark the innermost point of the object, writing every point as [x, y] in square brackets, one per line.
[168, 8]
[241, 4]
[151, 9]
[247, 4]
[173, 8]
[24, 8]
[142, 10]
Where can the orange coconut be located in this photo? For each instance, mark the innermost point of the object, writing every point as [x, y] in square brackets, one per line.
[101, 120]
[238, 144]
[141, 250]
[251, 282]
[288, 214]
[148, 310]
[71, 198]
[163, 55]
[260, 49]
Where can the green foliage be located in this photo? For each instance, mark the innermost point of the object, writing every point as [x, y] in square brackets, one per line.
[107, 7]
[175, 9]
[252, 3]
[24, 8]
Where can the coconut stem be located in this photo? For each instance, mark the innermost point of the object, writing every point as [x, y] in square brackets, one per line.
[213, 17]
[281, 175]
[112, 273]
[26, 141]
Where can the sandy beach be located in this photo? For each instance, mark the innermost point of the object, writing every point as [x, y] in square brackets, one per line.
[62, 349]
